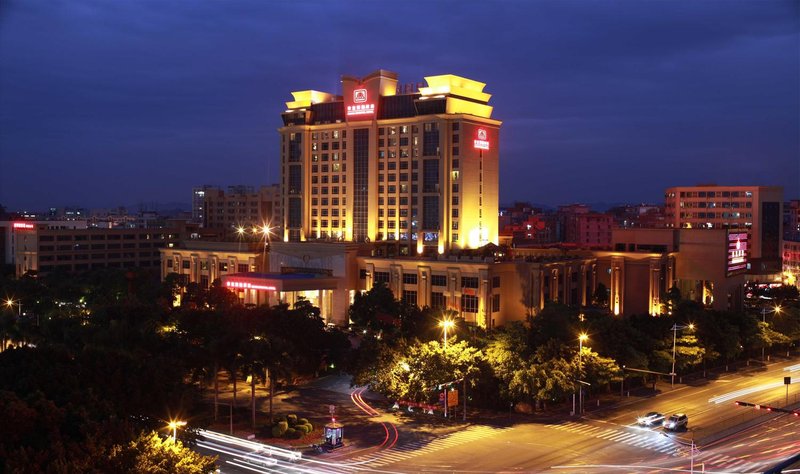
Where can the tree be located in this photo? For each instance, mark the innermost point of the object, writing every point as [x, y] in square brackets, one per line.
[417, 374]
[150, 453]
[377, 309]
[600, 296]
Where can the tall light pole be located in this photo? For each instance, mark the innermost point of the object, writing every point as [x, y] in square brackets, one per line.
[173, 425]
[446, 324]
[675, 328]
[10, 303]
[776, 310]
[582, 337]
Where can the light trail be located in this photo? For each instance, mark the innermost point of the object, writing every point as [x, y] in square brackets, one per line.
[747, 391]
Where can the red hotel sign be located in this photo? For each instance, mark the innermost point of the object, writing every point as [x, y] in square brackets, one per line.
[360, 105]
[248, 286]
[22, 225]
[481, 141]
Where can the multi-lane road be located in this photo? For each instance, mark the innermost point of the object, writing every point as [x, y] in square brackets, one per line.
[607, 441]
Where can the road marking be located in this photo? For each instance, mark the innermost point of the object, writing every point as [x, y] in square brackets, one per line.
[421, 447]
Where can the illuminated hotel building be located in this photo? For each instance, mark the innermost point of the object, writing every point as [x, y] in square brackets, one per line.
[758, 209]
[417, 166]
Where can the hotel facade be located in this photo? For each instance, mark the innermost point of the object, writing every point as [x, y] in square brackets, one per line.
[398, 185]
[387, 162]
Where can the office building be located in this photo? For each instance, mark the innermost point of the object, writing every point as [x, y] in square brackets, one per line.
[43, 247]
[756, 209]
[242, 207]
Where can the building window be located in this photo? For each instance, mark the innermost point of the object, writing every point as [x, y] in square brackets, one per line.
[469, 282]
[410, 297]
[185, 264]
[496, 281]
[437, 300]
[430, 212]
[410, 278]
[439, 280]
[382, 277]
[469, 304]
[242, 268]
[495, 303]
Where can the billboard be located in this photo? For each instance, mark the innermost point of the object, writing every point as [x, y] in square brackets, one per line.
[738, 252]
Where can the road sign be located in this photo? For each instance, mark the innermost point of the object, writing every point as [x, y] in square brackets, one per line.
[332, 409]
[452, 398]
[787, 380]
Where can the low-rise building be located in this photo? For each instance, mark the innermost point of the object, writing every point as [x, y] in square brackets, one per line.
[42, 247]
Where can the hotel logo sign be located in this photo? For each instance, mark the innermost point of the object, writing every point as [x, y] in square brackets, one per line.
[481, 141]
[360, 105]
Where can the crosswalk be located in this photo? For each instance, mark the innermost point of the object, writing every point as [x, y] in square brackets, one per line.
[643, 439]
[657, 442]
[425, 446]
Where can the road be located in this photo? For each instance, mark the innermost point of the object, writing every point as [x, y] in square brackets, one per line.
[602, 441]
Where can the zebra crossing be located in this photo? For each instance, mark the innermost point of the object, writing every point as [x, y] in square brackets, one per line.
[656, 442]
[645, 440]
[424, 446]
[730, 464]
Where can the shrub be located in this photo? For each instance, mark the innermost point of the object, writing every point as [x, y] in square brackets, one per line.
[280, 418]
[279, 429]
[310, 427]
[302, 421]
[295, 435]
[292, 419]
[305, 428]
[290, 433]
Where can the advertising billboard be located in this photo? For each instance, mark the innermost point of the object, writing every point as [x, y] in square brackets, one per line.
[738, 252]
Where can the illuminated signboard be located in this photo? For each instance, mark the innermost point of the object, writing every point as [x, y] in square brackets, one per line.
[481, 142]
[360, 105]
[22, 225]
[738, 252]
[248, 286]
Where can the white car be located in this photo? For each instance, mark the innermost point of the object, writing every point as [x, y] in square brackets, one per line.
[676, 422]
[653, 418]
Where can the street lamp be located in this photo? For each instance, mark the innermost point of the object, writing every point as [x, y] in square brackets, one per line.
[675, 328]
[776, 310]
[582, 337]
[446, 324]
[173, 425]
[10, 303]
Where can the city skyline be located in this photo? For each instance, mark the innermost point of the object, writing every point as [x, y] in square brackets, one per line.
[140, 102]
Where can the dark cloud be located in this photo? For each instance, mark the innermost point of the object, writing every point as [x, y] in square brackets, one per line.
[106, 103]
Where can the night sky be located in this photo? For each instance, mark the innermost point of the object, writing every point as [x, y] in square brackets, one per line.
[106, 103]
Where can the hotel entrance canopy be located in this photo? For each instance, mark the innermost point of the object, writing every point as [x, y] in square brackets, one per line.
[281, 282]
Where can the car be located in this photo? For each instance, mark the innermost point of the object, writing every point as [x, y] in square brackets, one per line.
[653, 418]
[676, 422]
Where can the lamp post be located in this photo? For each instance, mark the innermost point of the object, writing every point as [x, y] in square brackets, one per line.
[446, 323]
[675, 328]
[582, 337]
[173, 425]
[776, 310]
[10, 303]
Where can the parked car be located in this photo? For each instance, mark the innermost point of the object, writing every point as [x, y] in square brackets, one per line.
[676, 422]
[653, 418]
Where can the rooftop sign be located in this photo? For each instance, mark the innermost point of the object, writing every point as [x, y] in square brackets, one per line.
[738, 252]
